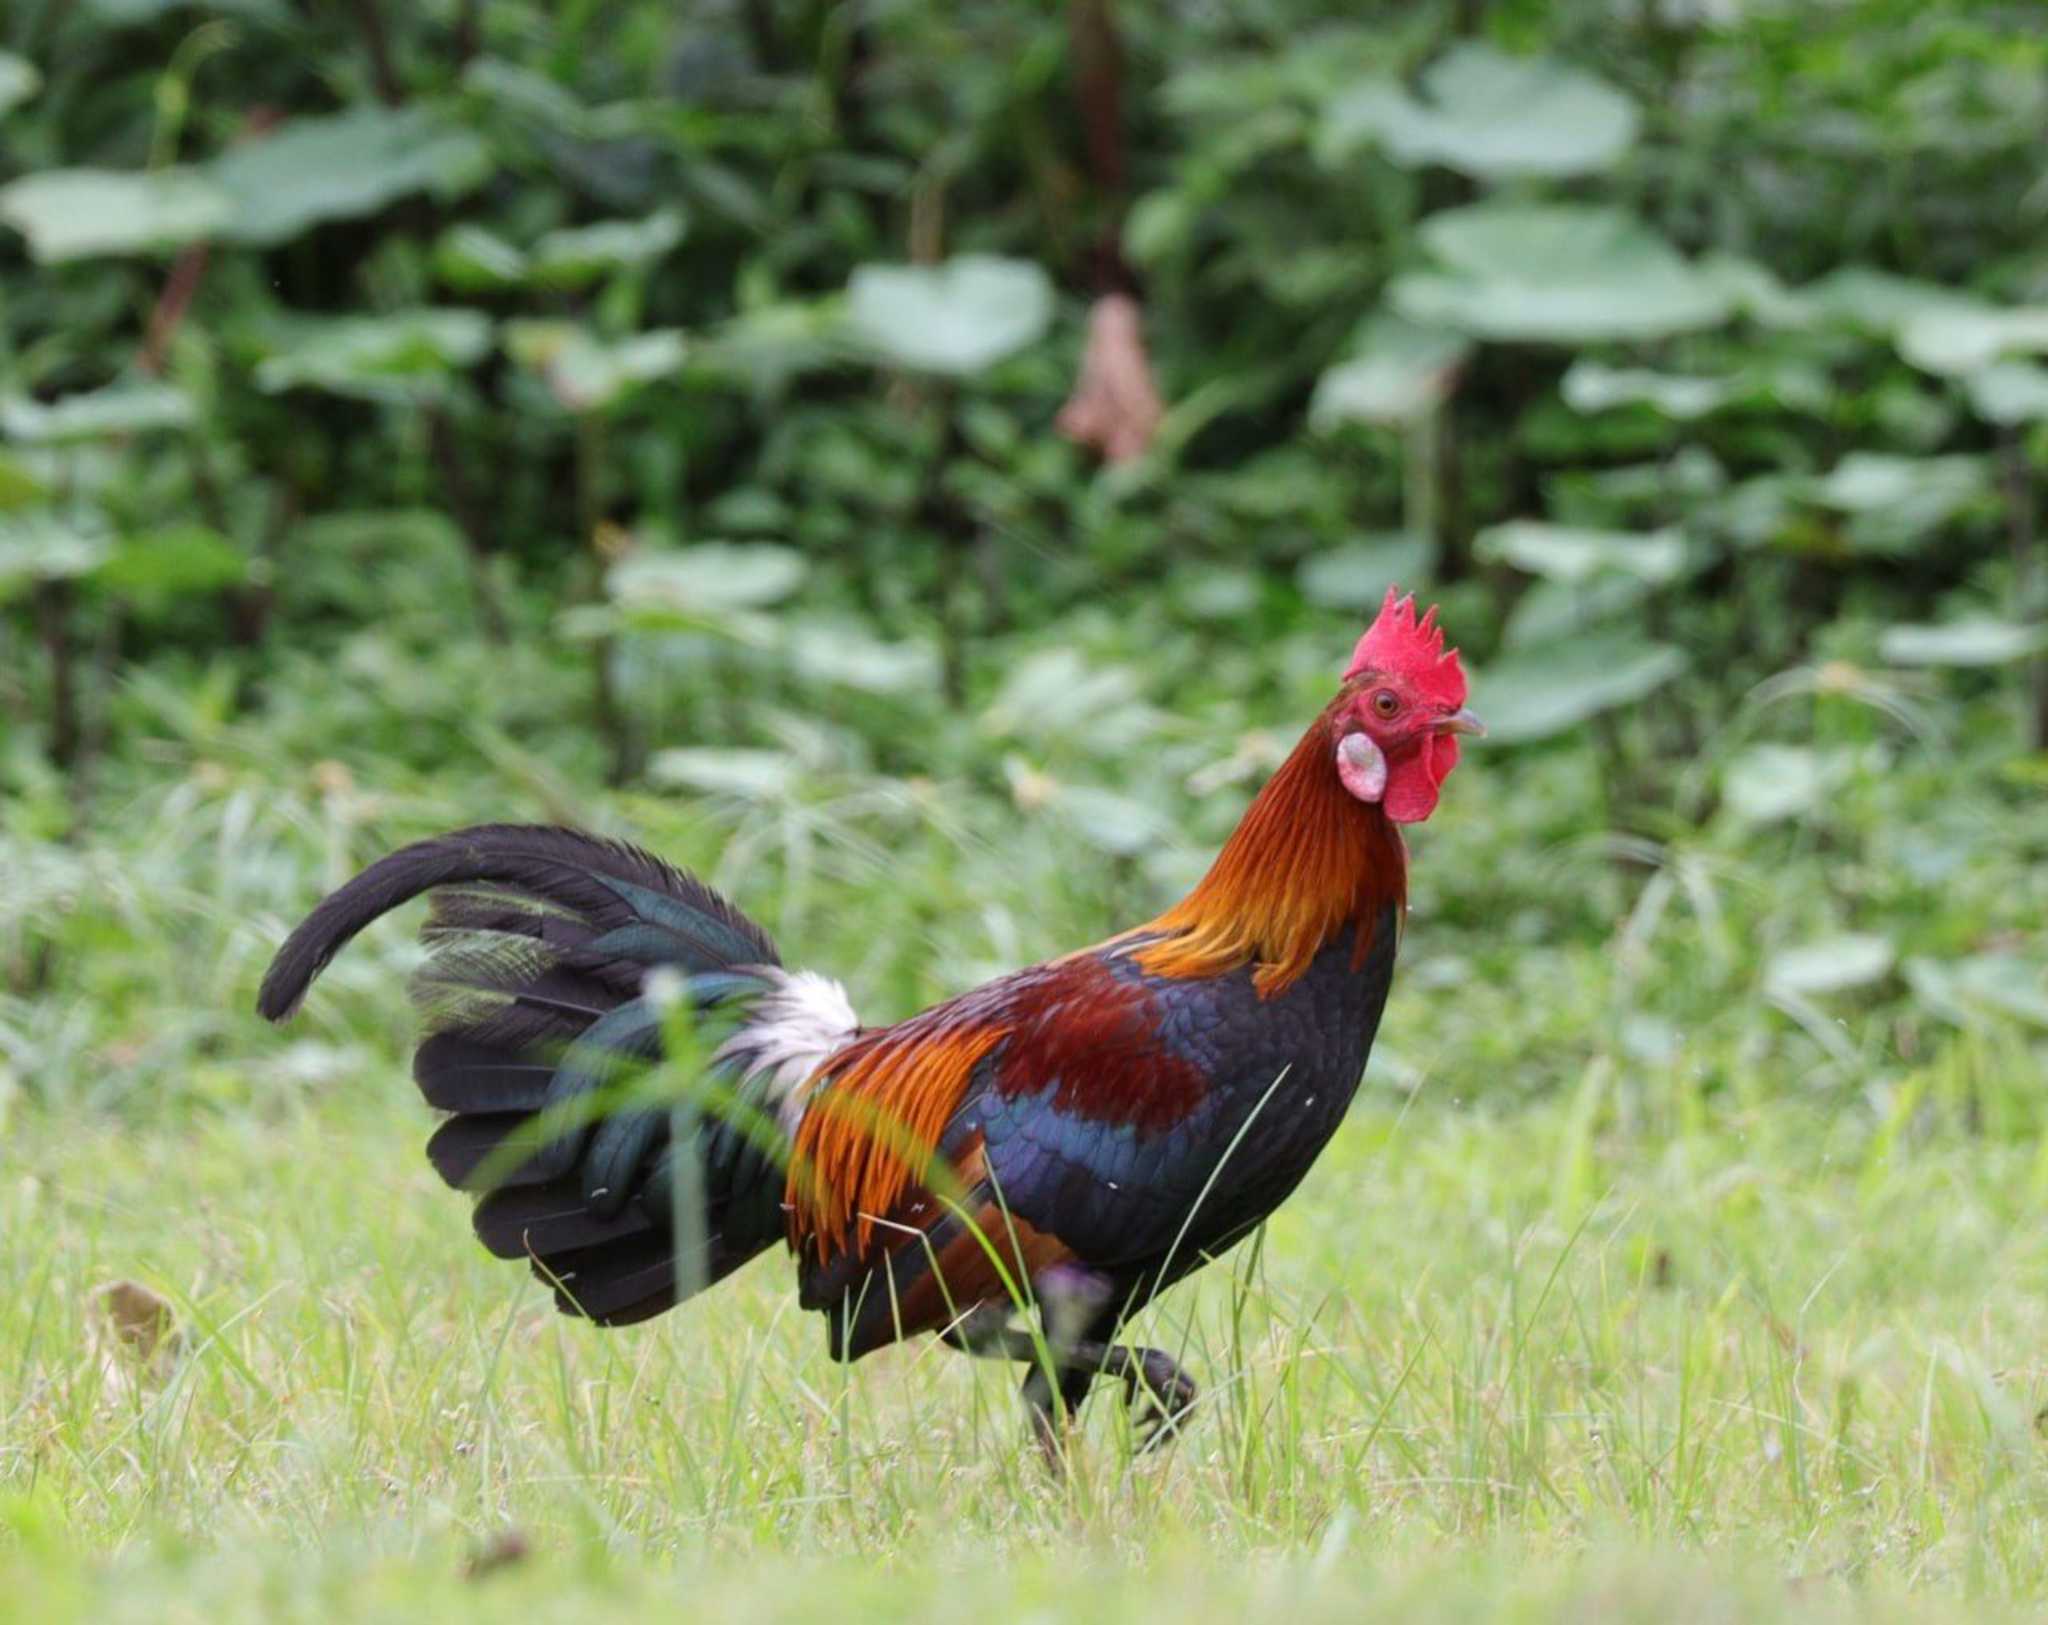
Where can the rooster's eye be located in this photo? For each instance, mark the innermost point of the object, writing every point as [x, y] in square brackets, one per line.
[1386, 702]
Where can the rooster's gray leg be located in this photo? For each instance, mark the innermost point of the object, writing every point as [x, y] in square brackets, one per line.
[1155, 1386]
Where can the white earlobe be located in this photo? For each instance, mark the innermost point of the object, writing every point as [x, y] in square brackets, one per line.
[1362, 767]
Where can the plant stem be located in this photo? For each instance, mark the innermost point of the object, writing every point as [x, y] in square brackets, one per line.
[2022, 526]
[469, 519]
[54, 601]
[941, 515]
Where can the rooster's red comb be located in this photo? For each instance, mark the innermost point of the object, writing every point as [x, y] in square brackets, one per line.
[1399, 645]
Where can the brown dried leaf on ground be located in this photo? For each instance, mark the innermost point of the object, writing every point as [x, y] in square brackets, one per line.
[135, 1333]
[1115, 406]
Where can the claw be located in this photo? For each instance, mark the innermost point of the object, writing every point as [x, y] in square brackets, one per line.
[1158, 1389]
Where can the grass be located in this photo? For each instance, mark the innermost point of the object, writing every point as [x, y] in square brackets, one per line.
[1630, 1287]
[1779, 1340]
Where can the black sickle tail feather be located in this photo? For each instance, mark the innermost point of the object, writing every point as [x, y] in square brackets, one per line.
[540, 941]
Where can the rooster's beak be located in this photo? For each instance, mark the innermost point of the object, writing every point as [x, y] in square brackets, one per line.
[1462, 722]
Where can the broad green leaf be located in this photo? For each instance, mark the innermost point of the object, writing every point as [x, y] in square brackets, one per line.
[50, 544]
[70, 214]
[1755, 291]
[1854, 959]
[1356, 576]
[1536, 693]
[955, 319]
[406, 356]
[1590, 386]
[20, 485]
[1488, 114]
[1557, 274]
[1111, 822]
[751, 775]
[764, 348]
[1966, 989]
[529, 95]
[1055, 695]
[176, 562]
[577, 256]
[132, 408]
[2009, 392]
[19, 80]
[473, 260]
[343, 167]
[1397, 372]
[1899, 503]
[1552, 610]
[1873, 301]
[1216, 595]
[1957, 340]
[696, 584]
[585, 373]
[844, 653]
[1573, 553]
[1979, 641]
[1767, 783]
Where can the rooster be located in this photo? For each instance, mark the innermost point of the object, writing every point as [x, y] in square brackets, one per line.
[1018, 1169]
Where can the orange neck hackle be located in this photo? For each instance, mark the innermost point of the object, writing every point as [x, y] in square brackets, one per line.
[1307, 860]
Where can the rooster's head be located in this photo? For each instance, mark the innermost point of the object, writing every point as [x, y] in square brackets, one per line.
[1402, 709]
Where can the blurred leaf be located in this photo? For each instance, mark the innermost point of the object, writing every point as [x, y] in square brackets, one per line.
[1555, 609]
[19, 485]
[586, 374]
[1854, 959]
[1955, 340]
[1899, 503]
[1966, 989]
[529, 95]
[1558, 273]
[956, 319]
[577, 256]
[1356, 576]
[470, 259]
[1054, 696]
[69, 214]
[50, 544]
[1216, 595]
[842, 652]
[1980, 641]
[692, 587]
[175, 562]
[1111, 822]
[1490, 115]
[1767, 783]
[342, 167]
[1536, 693]
[1756, 291]
[2009, 392]
[752, 775]
[764, 348]
[1573, 553]
[118, 409]
[1590, 386]
[1873, 301]
[18, 81]
[406, 356]
[1396, 372]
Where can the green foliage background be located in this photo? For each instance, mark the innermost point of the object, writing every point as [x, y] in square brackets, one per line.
[644, 415]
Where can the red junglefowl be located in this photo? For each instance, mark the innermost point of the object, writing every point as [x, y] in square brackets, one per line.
[1064, 1141]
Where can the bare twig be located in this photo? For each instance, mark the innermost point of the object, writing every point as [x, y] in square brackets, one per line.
[383, 74]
